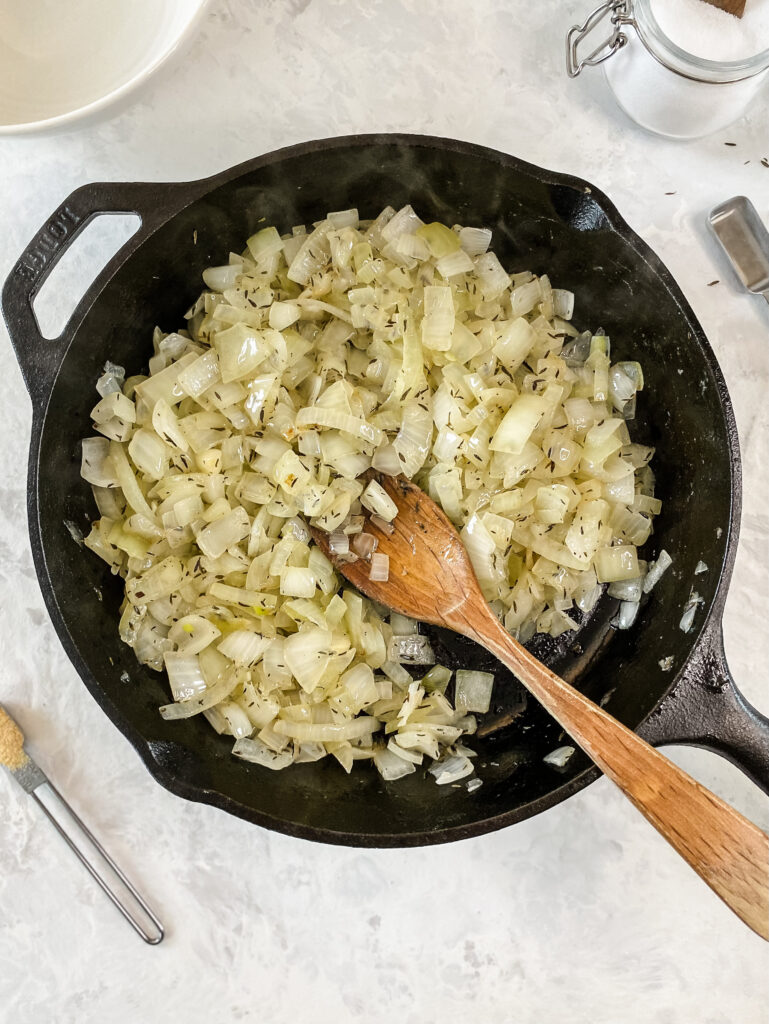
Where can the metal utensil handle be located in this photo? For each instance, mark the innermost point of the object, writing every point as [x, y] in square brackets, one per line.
[619, 13]
[151, 939]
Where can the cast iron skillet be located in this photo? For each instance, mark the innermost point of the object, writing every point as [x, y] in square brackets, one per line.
[542, 221]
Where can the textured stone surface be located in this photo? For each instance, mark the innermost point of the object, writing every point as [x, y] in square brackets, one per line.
[582, 914]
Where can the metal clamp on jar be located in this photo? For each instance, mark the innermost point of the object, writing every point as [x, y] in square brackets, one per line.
[657, 83]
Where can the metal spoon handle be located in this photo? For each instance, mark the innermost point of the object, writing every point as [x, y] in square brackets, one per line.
[128, 912]
[745, 240]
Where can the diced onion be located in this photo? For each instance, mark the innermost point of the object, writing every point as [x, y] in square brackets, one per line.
[96, 467]
[364, 544]
[339, 543]
[690, 610]
[559, 757]
[112, 380]
[473, 690]
[628, 612]
[184, 675]
[377, 500]
[243, 646]
[451, 769]
[475, 241]
[311, 359]
[411, 650]
[656, 570]
[382, 524]
[192, 634]
[257, 752]
[390, 766]
[627, 590]
[224, 533]
[380, 568]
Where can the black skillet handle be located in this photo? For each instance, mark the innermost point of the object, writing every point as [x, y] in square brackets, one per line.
[707, 710]
[41, 357]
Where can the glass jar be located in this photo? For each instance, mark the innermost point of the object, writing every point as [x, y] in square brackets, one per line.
[660, 86]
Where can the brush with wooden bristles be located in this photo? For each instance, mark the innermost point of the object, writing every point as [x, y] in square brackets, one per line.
[20, 765]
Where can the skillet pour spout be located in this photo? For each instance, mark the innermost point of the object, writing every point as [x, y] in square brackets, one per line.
[541, 221]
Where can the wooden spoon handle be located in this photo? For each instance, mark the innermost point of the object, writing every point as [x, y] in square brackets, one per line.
[735, 7]
[725, 849]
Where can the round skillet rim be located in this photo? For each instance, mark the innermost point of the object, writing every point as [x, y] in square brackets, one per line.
[171, 199]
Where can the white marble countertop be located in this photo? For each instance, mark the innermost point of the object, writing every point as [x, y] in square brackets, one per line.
[582, 914]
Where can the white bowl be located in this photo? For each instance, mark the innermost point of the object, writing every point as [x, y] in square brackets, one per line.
[61, 60]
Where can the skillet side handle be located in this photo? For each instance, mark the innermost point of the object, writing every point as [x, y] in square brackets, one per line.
[707, 710]
[39, 357]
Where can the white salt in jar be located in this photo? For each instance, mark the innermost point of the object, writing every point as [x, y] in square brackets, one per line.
[664, 87]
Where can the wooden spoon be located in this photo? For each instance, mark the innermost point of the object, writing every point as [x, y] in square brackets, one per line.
[431, 579]
[735, 7]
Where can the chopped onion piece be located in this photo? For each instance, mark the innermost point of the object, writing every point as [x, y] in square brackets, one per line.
[401, 625]
[451, 769]
[656, 569]
[690, 610]
[96, 466]
[296, 581]
[283, 314]
[473, 690]
[378, 501]
[382, 524]
[210, 697]
[307, 655]
[380, 568]
[192, 634]
[628, 612]
[224, 533]
[244, 647]
[257, 752]
[437, 679]
[414, 649]
[364, 545]
[218, 279]
[453, 264]
[339, 543]
[563, 303]
[627, 590]
[616, 563]
[160, 580]
[114, 405]
[397, 673]
[386, 460]
[475, 241]
[184, 675]
[390, 766]
[111, 380]
[237, 720]
[559, 757]
[410, 755]
[355, 729]
[518, 424]
[405, 221]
